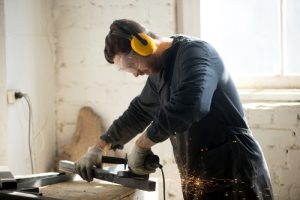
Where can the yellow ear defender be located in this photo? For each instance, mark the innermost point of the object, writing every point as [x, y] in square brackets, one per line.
[140, 43]
[140, 48]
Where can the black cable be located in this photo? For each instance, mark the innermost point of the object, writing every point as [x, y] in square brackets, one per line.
[19, 95]
[163, 177]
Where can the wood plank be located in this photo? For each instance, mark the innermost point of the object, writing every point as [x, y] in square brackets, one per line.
[82, 190]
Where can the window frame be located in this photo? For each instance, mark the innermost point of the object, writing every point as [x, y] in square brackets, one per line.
[188, 23]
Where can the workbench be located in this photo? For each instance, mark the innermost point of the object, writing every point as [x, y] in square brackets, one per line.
[82, 190]
[55, 186]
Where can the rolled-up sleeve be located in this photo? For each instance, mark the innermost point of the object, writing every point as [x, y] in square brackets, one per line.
[191, 100]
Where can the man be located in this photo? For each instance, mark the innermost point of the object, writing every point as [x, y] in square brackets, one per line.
[189, 98]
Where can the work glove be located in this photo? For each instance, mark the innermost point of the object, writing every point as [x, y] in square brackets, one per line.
[84, 166]
[136, 160]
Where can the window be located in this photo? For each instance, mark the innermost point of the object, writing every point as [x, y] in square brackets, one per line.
[258, 40]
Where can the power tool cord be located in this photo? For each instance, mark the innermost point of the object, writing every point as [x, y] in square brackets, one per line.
[163, 177]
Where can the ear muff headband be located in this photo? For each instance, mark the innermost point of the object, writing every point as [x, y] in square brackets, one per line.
[141, 43]
[129, 31]
[122, 35]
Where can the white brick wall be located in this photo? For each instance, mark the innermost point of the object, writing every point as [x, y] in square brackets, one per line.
[276, 126]
[83, 75]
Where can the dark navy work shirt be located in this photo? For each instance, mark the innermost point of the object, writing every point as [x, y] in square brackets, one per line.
[193, 92]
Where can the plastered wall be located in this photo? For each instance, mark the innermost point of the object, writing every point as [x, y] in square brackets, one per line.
[3, 108]
[30, 61]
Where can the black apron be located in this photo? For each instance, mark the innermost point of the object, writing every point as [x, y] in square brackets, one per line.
[235, 169]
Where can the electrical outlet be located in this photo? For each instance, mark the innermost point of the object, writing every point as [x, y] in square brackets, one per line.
[11, 96]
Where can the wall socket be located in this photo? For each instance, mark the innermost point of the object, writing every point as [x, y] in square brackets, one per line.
[11, 98]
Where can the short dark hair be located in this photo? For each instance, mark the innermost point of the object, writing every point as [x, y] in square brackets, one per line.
[115, 44]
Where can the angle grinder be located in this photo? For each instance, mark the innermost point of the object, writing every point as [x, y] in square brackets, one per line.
[151, 163]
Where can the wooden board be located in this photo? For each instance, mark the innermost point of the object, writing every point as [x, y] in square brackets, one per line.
[82, 190]
[89, 127]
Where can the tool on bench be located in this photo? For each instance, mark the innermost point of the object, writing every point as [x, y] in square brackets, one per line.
[125, 178]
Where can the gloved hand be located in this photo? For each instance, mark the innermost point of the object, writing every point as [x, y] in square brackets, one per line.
[84, 166]
[136, 160]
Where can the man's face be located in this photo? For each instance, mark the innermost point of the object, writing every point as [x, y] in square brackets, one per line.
[134, 64]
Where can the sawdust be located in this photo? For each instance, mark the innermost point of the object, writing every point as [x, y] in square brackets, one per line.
[89, 127]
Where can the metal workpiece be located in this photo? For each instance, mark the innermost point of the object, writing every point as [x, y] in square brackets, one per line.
[43, 179]
[106, 175]
[20, 195]
[7, 180]
[27, 182]
[27, 186]
[66, 166]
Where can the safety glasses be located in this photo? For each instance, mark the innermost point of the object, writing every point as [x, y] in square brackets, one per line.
[128, 62]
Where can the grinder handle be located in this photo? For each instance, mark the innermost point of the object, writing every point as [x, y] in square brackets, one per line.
[113, 160]
[151, 162]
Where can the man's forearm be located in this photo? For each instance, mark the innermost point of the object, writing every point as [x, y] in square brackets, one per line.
[144, 142]
[102, 144]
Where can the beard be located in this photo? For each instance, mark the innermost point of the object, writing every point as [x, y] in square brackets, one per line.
[154, 63]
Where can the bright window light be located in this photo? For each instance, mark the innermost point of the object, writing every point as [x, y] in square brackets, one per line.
[254, 38]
